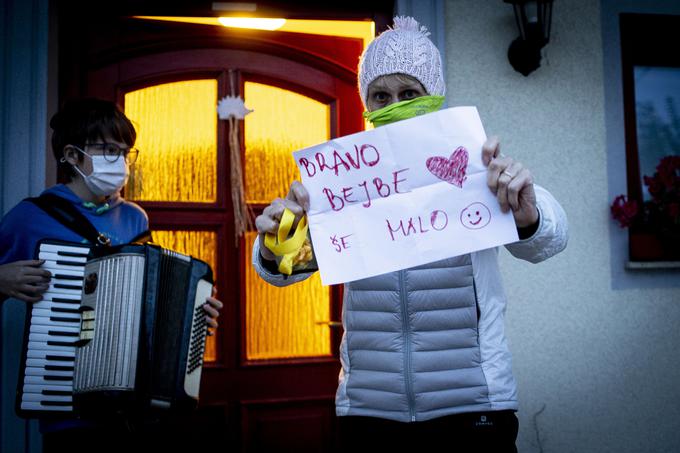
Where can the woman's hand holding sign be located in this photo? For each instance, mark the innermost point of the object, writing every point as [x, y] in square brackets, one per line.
[297, 201]
[512, 183]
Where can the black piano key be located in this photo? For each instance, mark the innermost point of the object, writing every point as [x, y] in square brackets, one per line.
[77, 254]
[60, 358]
[66, 301]
[58, 368]
[63, 286]
[68, 263]
[56, 403]
[68, 277]
[57, 378]
[60, 319]
[63, 334]
[56, 393]
[65, 310]
[61, 343]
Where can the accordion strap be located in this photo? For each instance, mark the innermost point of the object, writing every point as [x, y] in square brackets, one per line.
[68, 215]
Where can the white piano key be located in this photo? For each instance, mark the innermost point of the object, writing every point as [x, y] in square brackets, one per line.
[41, 345]
[56, 387]
[34, 406]
[55, 328]
[68, 270]
[55, 321]
[49, 313]
[53, 267]
[76, 283]
[46, 362]
[66, 340]
[40, 380]
[61, 298]
[68, 273]
[43, 354]
[49, 304]
[56, 248]
[39, 397]
[56, 258]
[74, 270]
[55, 290]
[37, 371]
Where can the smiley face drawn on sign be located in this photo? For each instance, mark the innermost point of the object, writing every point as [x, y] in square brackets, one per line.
[475, 216]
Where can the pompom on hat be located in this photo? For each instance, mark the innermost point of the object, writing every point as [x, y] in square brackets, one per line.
[405, 49]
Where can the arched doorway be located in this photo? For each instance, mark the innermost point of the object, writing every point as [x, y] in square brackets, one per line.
[271, 373]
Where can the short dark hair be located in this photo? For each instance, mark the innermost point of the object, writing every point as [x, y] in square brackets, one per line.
[81, 121]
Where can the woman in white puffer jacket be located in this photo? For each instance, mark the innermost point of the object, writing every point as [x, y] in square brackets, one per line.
[424, 356]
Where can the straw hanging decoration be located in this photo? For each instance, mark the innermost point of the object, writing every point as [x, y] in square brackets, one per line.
[233, 109]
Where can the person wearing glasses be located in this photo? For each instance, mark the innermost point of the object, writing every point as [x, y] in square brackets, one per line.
[93, 143]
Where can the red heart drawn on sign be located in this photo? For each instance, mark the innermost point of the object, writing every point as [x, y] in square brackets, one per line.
[452, 169]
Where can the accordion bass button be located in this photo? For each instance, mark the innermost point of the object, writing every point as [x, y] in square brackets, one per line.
[90, 283]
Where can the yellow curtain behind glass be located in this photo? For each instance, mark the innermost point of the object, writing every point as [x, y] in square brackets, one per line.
[201, 245]
[285, 322]
[282, 122]
[177, 136]
[281, 322]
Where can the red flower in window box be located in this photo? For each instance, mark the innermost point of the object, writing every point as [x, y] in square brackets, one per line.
[624, 210]
[660, 216]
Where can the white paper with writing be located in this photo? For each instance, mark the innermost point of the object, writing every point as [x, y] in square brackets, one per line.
[401, 195]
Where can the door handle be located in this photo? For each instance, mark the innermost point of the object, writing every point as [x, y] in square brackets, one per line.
[331, 324]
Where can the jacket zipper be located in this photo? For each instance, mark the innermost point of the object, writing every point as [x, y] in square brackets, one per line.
[407, 346]
[474, 288]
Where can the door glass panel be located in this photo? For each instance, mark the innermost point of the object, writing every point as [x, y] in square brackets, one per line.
[177, 136]
[285, 322]
[201, 245]
[281, 322]
[282, 121]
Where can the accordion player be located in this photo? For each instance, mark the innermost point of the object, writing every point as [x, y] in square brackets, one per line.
[132, 340]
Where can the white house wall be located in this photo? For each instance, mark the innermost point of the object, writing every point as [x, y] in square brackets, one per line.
[596, 364]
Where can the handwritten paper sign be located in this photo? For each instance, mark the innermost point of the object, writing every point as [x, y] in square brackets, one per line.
[401, 195]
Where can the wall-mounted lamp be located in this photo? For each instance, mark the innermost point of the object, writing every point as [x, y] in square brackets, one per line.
[533, 20]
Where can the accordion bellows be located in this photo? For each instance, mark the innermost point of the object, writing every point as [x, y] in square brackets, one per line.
[148, 329]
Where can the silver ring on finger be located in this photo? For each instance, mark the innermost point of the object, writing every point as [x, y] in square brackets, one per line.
[507, 173]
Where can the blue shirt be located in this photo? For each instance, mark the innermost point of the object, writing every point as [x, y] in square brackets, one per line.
[26, 224]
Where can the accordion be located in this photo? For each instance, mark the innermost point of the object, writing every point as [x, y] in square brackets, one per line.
[120, 329]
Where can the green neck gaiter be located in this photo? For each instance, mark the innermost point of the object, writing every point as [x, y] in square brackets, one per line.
[404, 110]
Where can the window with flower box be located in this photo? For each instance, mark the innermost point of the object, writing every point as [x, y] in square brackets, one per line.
[651, 89]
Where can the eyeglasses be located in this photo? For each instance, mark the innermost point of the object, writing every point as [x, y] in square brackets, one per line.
[112, 152]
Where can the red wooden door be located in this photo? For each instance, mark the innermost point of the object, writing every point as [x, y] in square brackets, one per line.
[259, 397]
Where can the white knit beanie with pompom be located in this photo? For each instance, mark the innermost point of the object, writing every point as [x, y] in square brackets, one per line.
[406, 49]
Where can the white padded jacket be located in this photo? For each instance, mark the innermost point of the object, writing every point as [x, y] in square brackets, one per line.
[429, 341]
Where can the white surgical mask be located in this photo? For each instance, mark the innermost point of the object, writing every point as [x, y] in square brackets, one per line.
[107, 177]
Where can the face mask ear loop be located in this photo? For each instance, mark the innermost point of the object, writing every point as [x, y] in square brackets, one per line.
[63, 160]
[75, 167]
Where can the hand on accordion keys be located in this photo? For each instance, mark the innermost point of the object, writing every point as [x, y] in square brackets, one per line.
[211, 307]
[24, 280]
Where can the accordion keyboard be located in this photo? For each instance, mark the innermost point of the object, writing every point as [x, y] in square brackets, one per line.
[54, 329]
